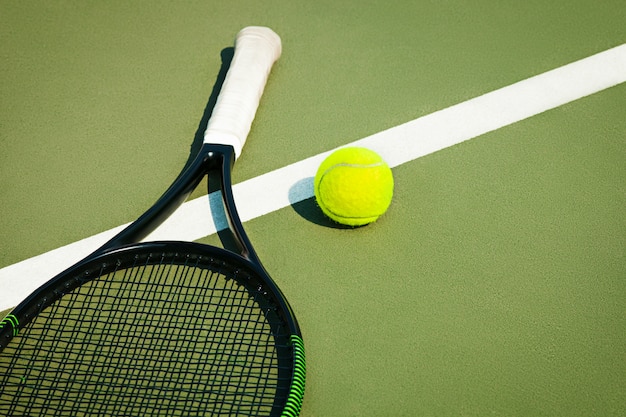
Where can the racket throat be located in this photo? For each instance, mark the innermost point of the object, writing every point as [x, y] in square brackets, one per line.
[222, 162]
[215, 162]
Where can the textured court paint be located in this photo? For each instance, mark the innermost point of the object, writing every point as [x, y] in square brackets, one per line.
[490, 323]
[398, 145]
[498, 290]
[125, 85]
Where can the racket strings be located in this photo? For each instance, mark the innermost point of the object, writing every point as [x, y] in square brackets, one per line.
[167, 336]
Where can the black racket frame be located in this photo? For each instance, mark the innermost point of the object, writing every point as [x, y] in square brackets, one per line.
[212, 161]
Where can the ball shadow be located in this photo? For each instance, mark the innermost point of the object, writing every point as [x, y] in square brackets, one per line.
[303, 202]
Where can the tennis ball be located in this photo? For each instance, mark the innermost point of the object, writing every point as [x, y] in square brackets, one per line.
[353, 186]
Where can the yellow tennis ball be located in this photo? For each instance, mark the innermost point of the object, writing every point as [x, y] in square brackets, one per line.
[354, 186]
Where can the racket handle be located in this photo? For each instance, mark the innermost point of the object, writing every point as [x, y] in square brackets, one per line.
[256, 50]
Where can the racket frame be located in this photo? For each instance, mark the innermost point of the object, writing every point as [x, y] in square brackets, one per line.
[213, 160]
[256, 49]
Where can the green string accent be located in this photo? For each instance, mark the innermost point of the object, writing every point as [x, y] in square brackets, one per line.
[296, 393]
[13, 321]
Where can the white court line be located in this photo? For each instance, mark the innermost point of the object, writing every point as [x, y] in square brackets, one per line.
[293, 183]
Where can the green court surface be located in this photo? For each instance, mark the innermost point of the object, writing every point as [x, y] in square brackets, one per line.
[496, 282]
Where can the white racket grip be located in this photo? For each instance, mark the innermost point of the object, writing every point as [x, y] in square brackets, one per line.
[256, 50]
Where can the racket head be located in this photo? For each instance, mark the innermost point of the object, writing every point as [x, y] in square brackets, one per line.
[159, 328]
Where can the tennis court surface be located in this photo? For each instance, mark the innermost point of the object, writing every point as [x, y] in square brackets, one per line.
[496, 282]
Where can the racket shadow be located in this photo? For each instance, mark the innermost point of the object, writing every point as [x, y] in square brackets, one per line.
[217, 209]
[227, 57]
[216, 204]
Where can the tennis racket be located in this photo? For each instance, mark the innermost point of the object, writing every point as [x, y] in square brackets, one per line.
[165, 328]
